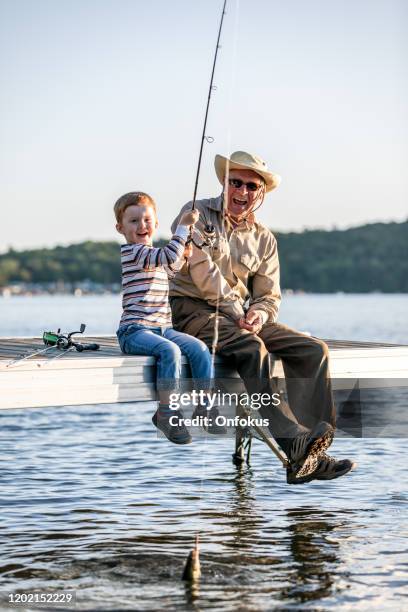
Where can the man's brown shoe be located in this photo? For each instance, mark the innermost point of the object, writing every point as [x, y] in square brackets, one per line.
[306, 449]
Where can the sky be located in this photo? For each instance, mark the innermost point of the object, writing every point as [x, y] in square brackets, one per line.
[102, 97]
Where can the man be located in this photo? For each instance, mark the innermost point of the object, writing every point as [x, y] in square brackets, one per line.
[233, 275]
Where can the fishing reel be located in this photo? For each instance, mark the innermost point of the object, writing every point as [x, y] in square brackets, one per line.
[208, 236]
[64, 342]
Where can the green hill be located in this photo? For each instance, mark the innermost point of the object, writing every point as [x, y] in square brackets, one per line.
[362, 259]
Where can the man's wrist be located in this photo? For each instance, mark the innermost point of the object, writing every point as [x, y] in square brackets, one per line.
[261, 313]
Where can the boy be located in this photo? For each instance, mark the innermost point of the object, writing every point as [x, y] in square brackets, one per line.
[145, 325]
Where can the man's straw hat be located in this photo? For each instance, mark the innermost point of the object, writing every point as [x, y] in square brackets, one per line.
[240, 160]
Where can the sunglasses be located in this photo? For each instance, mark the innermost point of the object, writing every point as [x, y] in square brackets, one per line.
[251, 186]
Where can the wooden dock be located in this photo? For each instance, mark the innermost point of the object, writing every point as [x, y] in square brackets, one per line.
[58, 378]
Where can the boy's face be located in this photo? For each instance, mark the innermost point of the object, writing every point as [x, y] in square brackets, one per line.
[138, 224]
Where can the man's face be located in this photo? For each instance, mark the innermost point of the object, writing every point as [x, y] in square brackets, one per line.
[138, 224]
[242, 197]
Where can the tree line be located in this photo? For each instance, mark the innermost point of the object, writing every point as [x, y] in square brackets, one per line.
[369, 258]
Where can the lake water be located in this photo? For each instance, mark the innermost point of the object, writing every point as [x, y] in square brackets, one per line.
[93, 502]
[373, 317]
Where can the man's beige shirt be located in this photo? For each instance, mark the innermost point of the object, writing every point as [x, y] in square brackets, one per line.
[242, 268]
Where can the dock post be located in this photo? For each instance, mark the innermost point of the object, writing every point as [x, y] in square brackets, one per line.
[239, 456]
[243, 442]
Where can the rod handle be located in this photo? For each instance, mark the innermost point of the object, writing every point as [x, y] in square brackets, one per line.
[86, 347]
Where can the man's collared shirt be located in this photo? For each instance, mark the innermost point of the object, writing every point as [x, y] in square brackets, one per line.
[242, 264]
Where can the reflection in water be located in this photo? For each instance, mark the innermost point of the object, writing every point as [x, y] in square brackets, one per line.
[242, 510]
[293, 560]
[192, 595]
[314, 555]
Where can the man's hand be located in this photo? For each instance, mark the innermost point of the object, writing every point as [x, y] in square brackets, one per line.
[253, 321]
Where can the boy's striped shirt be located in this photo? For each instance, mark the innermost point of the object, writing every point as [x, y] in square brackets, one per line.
[145, 287]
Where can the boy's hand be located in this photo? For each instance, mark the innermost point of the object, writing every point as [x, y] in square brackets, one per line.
[190, 217]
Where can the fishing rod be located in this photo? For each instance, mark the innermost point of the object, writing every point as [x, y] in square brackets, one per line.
[57, 341]
[25, 356]
[66, 344]
[209, 230]
[208, 106]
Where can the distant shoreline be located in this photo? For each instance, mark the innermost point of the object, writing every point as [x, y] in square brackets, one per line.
[13, 292]
[366, 259]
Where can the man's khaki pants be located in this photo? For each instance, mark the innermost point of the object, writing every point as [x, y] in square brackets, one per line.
[304, 359]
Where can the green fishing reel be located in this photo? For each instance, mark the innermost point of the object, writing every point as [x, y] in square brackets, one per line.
[50, 338]
[65, 341]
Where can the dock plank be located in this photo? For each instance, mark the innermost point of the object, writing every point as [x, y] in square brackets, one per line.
[108, 376]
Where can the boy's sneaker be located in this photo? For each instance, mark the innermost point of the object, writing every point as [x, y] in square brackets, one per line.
[306, 449]
[178, 433]
[328, 468]
[212, 414]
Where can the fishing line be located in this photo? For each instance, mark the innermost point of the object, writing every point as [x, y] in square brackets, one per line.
[231, 89]
[224, 213]
[208, 226]
[210, 90]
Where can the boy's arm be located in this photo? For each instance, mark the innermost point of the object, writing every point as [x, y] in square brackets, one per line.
[144, 257]
[176, 267]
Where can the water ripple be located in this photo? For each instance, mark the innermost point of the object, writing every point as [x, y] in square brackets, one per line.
[93, 501]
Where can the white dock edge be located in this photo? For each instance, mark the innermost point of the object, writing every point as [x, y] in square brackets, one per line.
[108, 377]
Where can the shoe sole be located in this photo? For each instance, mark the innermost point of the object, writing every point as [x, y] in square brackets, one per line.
[170, 439]
[293, 480]
[316, 448]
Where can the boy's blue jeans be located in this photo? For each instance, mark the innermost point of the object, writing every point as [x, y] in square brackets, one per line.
[167, 346]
